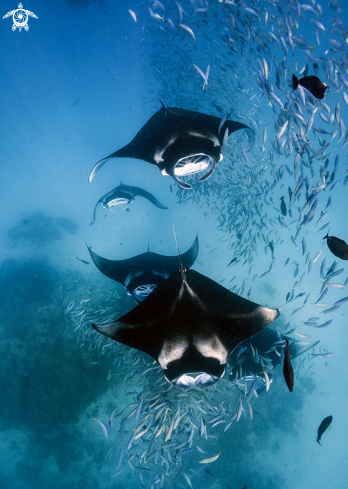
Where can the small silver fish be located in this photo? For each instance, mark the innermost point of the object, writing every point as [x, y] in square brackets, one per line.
[244, 154]
[222, 122]
[133, 14]
[103, 427]
[282, 129]
[321, 355]
[111, 419]
[188, 29]
[317, 256]
[209, 460]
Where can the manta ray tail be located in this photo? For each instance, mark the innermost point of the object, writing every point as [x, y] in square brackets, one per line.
[162, 103]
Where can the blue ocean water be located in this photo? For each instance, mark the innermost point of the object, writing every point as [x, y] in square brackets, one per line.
[77, 86]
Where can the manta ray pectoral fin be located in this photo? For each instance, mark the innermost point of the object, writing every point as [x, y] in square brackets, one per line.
[158, 204]
[151, 198]
[97, 167]
[162, 103]
[209, 173]
[109, 330]
[125, 152]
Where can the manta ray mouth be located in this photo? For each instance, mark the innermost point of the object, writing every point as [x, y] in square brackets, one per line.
[192, 164]
[189, 165]
[141, 292]
[112, 204]
[202, 380]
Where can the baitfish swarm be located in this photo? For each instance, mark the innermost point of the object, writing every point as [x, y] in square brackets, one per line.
[242, 53]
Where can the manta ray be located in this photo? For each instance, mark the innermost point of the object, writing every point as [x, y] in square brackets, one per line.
[141, 274]
[180, 142]
[124, 195]
[190, 325]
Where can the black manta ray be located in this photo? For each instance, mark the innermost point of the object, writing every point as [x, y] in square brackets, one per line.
[190, 325]
[141, 274]
[180, 142]
[124, 195]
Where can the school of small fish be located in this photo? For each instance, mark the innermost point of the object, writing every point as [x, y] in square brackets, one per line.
[299, 157]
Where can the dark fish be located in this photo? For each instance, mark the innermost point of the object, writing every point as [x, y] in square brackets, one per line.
[323, 427]
[287, 369]
[208, 472]
[283, 206]
[83, 261]
[296, 270]
[337, 246]
[312, 84]
[271, 246]
[232, 261]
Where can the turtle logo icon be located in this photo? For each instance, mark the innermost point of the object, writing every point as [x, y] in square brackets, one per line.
[20, 18]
